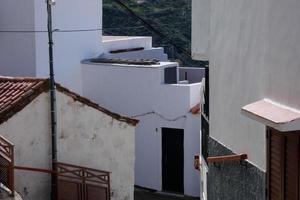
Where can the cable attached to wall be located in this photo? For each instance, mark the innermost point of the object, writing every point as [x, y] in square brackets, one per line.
[161, 116]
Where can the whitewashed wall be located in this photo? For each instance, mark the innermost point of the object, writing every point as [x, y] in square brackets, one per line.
[26, 54]
[17, 49]
[200, 29]
[254, 53]
[86, 137]
[134, 90]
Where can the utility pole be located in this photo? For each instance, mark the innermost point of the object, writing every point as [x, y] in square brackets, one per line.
[50, 3]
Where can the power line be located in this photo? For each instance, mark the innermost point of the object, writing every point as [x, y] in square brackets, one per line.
[153, 29]
[161, 116]
[149, 26]
[54, 31]
[70, 30]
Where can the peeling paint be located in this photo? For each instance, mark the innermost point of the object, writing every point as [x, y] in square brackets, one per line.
[86, 137]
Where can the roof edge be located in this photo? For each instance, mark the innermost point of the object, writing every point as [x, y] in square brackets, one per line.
[92, 104]
[43, 86]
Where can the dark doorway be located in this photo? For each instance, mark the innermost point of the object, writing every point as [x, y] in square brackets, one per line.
[172, 160]
[171, 75]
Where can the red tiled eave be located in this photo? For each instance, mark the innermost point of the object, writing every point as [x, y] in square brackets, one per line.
[196, 109]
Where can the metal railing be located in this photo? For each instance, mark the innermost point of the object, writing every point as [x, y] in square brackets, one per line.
[7, 163]
[86, 183]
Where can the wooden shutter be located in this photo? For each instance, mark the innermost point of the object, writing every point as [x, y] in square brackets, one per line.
[283, 165]
[291, 166]
[275, 165]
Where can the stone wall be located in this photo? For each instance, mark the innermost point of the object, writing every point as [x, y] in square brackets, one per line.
[233, 180]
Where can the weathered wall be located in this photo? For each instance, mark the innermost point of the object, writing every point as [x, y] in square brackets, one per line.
[86, 137]
[29, 130]
[137, 90]
[90, 138]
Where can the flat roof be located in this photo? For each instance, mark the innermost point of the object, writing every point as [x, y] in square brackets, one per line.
[161, 64]
[116, 38]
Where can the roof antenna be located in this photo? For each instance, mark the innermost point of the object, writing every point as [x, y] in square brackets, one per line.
[50, 3]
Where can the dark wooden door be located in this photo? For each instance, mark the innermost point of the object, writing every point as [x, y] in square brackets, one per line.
[283, 165]
[172, 160]
[68, 190]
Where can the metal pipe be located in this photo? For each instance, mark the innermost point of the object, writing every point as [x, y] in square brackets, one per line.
[52, 102]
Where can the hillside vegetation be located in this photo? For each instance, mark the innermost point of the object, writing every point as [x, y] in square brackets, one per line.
[171, 17]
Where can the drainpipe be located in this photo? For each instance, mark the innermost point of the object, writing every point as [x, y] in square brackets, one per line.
[52, 101]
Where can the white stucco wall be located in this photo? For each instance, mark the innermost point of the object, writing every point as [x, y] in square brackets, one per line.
[15, 56]
[111, 43]
[70, 48]
[26, 54]
[86, 137]
[200, 29]
[254, 53]
[136, 90]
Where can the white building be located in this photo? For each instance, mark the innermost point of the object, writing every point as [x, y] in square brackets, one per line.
[128, 89]
[26, 54]
[88, 135]
[253, 48]
[154, 95]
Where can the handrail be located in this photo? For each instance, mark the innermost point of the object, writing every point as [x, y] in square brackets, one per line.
[6, 141]
[7, 154]
[218, 159]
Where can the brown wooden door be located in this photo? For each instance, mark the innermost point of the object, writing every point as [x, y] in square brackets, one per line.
[68, 190]
[81, 183]
[283, 165]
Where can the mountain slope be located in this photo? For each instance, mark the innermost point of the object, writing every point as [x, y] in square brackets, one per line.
[171, 17]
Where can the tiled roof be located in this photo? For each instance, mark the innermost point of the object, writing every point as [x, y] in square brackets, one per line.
[16, 93]
[196, 109]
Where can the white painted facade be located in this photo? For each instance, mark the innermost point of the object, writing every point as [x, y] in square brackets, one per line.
[137, 90]
[86, 137]
[122, 88]
[253, 49]
[111, 43]
[26, 54]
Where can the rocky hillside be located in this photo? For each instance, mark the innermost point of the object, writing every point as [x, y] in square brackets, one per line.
[171, 17]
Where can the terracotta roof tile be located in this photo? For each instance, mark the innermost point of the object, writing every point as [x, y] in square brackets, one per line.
[17, 92]
[196, 109]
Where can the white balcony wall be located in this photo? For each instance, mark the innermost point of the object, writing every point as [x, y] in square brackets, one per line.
[137, 90]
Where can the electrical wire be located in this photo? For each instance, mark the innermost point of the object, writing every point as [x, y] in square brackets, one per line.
[161, 116]
[154, 30]
[54, 31]
[70, 30]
